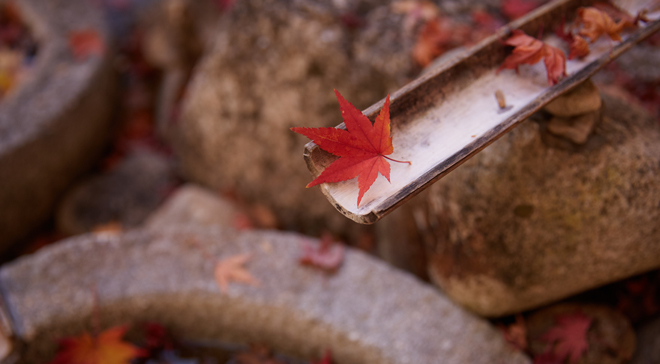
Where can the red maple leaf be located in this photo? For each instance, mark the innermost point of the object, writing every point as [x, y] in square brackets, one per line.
[326, 255]
[85, 43]
[106, 348]
[569, 336]
[529, 50]
[362, 148]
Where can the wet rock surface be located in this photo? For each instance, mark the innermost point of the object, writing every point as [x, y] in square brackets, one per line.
[55, 124]
[126, 195]
[525, 223]
[274, 66]
[365, 313]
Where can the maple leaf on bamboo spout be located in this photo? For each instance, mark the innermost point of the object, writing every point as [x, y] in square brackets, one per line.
[362, 148]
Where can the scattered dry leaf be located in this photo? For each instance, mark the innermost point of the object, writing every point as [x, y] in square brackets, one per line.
[433, 39]
[579, 47]
[86, 43]
[597, 23]
[231, 269]
[106, 348]
[529, 50]
[569, 336]
[327, 255]
[362, 148]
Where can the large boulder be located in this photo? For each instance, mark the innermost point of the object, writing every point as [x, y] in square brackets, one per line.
[366, 313]
[54, 125]
[534, 217]
[274, 66]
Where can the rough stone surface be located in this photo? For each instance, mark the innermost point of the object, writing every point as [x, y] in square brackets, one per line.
[366, 313]
[648, 344]
[126, 195]
[582, 99]
[274, 66]
[193, 205]
[530, 220]
[55, 124]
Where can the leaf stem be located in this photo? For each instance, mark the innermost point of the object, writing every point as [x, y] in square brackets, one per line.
[394, 160]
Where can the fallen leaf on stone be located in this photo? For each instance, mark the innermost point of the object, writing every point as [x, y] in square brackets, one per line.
[569, 336]
[327, 255]
[362, 148]
[516, 333]
[106, 348]
[231, 269]
[85, 43]
[597, 23]
[529, 50]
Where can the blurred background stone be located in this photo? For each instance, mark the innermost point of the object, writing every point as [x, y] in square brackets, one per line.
[273, 67]
[126, 195]
[367, 312]
[55, 123]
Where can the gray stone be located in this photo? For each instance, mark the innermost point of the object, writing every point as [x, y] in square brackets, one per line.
[193, 205]
[527, 221]
[126, 195]
[55, 124]
[576, 128]
[366, 313]
[582, 99]
[648, 344]
[274, 66]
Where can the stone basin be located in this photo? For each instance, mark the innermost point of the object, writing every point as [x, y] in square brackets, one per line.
[366, 312]
[54, 124]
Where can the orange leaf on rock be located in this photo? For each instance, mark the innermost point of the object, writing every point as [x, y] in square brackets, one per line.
[597, 23]
[85, 43]
[231, 269]
[569, 336]
[106, 348]
[362, 148]
[529, 50]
